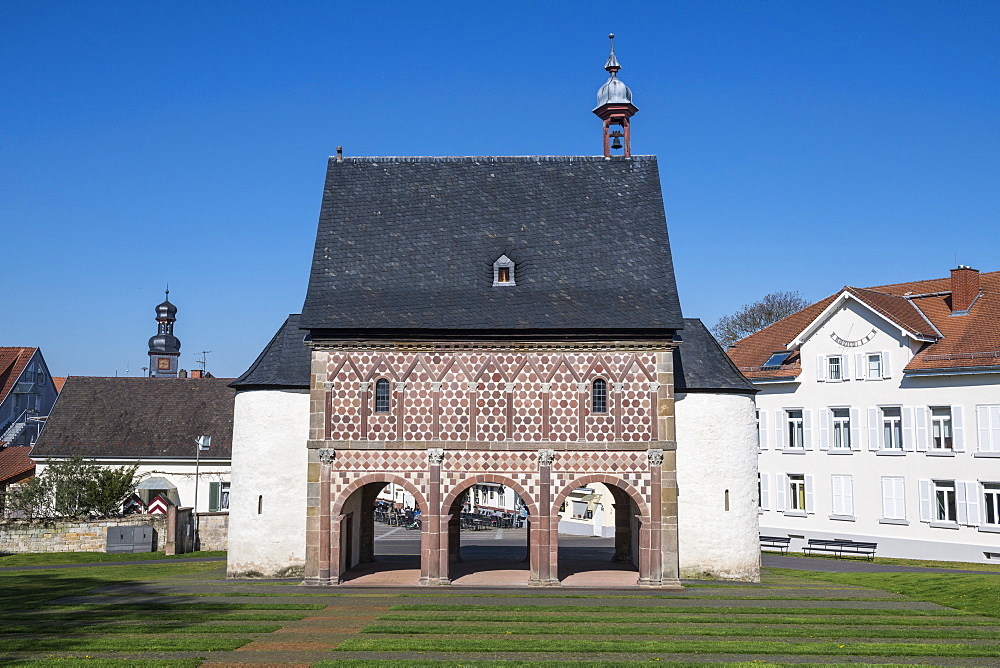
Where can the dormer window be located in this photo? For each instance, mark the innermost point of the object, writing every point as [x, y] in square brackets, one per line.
[503, 272]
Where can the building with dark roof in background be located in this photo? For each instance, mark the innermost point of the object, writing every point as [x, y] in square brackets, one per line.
[504, 320]
[879, 418]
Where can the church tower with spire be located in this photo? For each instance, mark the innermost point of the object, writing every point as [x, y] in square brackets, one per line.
[615, 108]
[164, 347]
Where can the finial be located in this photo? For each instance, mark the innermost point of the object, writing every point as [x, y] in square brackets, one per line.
[612, 64]
[167, 291]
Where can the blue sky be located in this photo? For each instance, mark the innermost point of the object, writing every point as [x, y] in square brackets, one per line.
[802, 145]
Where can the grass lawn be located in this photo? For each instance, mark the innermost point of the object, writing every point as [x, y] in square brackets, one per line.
[60, 558]
[891, 561]
[181, 613]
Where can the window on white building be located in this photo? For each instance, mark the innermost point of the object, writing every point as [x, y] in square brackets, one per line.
[991, 503]
[988, 426]
[794, 429]
[892, 429]
[941, 428]
[843, 496]
[842, 428]
[834, 368]
[945, 503]
[797, 492]
[874, 361]
[893, 499]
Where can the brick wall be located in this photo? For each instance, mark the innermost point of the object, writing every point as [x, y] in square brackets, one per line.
[21, 536]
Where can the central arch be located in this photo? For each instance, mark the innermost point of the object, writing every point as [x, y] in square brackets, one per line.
[632, 522]
[352, 523]
[450, 532]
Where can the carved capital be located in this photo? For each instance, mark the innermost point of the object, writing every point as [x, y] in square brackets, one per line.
[583, 387]
[509, 387]
[328, 385]
[472, 387]
[546, 457]
[364, 385]
[327, 455]
[401, 386]
[436, 386]
[435, 456]
[654, 386]
[655, 457]
[617, 387]
[546, 387]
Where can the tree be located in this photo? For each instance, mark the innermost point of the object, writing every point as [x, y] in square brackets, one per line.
[756, 316]
[74, 487]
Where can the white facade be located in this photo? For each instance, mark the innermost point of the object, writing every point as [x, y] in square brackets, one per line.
[267, 517]
[716, 496]
[854, 448]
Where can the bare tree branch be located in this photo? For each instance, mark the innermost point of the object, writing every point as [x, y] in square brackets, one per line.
[756, 316]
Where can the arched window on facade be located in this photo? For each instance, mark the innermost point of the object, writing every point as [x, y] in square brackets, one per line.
[382, 396]
[599, 396]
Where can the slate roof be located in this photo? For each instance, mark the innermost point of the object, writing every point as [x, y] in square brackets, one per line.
[408, 244]
[14, 463]
[139, 418]
[700, 364]
[284, 362]
[921, 307]
[13, 360]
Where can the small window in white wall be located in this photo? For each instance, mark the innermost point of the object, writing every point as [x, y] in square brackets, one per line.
[945, 501]
[941, 437]
[843, 496]
[892, 429]
[794, 429]
[988, 426]
[991, 504]
[834, 368]
[874, 361]
[797, 492]
[893, 499]
[841, 428]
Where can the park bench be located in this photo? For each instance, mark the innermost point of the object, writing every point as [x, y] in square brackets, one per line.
[779, 543]
[842, 548]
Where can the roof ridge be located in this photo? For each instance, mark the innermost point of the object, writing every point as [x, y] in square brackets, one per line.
[492, 158]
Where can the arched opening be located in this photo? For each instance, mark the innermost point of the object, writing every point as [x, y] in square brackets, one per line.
[490, 535]
[598, 521]
[377, 533]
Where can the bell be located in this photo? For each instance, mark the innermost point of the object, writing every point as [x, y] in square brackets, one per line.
[617, 143]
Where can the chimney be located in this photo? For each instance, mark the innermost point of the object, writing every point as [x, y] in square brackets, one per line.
[182, 373]
[196, 373]
[964, 288]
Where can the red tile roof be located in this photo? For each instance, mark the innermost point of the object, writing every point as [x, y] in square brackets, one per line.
[12, 363]
[920, 307]
[14, 462]
[58, 381]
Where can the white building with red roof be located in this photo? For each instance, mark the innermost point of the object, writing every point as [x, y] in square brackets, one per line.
[879, 418]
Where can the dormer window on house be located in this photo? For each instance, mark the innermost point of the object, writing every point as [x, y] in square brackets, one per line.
[503, 272]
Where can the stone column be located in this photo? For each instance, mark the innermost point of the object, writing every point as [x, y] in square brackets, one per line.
[400, 409]
[670, 562]
[546, 389]
[542, 557]
[509, 411]
[430, 535]
[583, 392]
[651, 531]
[329, 555]
[436, 409]
[363, 392]
[473, 389]
[617, 408]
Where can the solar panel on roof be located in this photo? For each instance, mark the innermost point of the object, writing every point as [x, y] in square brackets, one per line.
[775, 360]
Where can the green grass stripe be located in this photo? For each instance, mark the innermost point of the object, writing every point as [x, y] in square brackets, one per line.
[196, 606]
[122, 644]
[232, 594]
[944, 612]
[551, 617]
[153, 616]
[104, 663]
[656, 661]
[522, 644]
[123, 626]
[829, 632]
[667, 597]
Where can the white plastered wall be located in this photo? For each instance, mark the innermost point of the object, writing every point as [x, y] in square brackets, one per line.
[269, 474]
[716, 452]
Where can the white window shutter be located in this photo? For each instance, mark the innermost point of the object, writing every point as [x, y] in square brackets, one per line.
[908, 428]
[780, 430]
[925, 500]
[920, 418]
[859, 366]
[765, 491]
[899, 494]
[983, 426]
[873, 429]
[836, 486]
[886, 371]
[957, 429]
[845, 363]
[855, 429]
[972, 496]
[807, 429]
[960, 503]
[762, 426]
[810, 494]
[995, 428]
[848, 494]
[780, 491]
[824, 417]
[888, 498]
[820, 368]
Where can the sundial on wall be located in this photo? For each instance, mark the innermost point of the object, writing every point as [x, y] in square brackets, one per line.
[853, 343]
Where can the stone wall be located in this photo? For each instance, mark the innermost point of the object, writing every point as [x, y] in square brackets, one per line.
[213, 531]
[21, 536]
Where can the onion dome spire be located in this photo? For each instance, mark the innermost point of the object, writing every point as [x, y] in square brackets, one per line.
[614, 107]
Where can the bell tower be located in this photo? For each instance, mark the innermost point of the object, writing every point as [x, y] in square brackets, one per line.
[615, 108]
[164, 347]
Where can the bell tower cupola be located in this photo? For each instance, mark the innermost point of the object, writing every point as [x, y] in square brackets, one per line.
[164, 347]
[615, 108]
